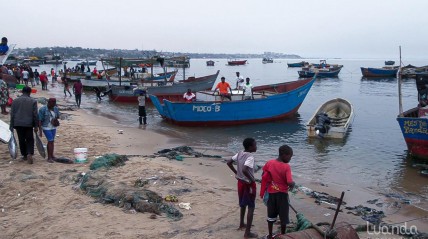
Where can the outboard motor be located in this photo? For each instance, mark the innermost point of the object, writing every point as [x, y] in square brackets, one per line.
[322, 124]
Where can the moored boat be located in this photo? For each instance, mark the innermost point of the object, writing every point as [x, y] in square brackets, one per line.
[389, 63]
[379, 72]
[331, 120]
[320, 72]
[236, 62]
[209, 110]
[267, 60]
[210, 63]
[163, 90]
[297, 64]
[414, 122]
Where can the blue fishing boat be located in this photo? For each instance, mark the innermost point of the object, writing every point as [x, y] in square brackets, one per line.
[379, 72]
[209, 110]
[414, 122]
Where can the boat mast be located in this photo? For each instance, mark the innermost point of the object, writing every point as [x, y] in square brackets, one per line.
[120, 71]
[400, 101]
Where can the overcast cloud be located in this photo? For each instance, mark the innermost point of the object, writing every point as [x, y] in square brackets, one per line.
[312, 28]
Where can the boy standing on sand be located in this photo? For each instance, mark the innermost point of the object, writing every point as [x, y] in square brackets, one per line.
[246, 183]
[277, 180]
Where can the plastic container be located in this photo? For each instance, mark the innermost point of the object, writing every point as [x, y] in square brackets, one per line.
[20, 86]
[80, 155]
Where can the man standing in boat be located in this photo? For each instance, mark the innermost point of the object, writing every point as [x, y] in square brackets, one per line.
[239, 81]
[223, 88]
[248, 90]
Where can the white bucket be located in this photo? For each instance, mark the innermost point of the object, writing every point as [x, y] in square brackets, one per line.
[80, 155]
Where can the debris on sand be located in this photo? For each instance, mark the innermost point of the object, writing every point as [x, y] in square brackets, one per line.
[368, 214]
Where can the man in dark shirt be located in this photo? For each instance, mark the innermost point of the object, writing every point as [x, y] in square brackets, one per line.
[24, 118]
[77, 90]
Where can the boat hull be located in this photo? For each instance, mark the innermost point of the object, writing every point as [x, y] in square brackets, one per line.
[310, 73]
[214, 113]
[415, 133]
[125, 94]
[298, 64]
[237, 63]
[378, 72]
[339, 126]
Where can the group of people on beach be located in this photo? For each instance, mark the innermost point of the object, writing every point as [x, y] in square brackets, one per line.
[276, 182]
[25, 117]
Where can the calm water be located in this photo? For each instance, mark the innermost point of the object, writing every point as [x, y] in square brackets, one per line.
[373, 153]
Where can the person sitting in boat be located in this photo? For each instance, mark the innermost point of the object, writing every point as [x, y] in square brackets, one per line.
[189, 96]
[95, 71]
[4, 48]
[423, 98]
[248, 90]
[239, 81]
[223, 88]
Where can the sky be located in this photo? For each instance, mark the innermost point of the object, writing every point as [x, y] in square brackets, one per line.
[309, 28]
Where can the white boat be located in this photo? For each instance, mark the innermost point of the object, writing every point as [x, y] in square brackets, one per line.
[331, 120]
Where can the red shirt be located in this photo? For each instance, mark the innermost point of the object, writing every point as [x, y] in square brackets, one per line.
[78, 88]
[43, 78]
[223, 87]
[276, 177]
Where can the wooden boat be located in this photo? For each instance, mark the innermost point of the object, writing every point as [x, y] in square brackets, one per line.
[86, 63]
[164, 90]
[209, 110]
[267, 60]
[414, 122]
[321, 72]
[281, 87]
[389, 63]
[331, 120]
[236, 63]
[379, 72]
[210, 63]
[298, 64]
[79, 75]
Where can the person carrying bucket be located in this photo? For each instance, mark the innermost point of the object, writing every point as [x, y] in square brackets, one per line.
[48, 122]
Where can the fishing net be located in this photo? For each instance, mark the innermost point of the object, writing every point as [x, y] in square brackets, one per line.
[175, 153]
[108, 161]
[98, 185]
[302, 222]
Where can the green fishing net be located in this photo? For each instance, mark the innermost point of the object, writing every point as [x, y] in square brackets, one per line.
[108, 161]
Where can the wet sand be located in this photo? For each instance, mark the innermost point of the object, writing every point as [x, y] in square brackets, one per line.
[39, 201]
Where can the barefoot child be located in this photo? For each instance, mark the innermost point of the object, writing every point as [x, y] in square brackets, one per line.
[277, 180]
[246, 183]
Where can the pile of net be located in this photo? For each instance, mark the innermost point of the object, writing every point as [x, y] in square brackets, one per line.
[98, 185]
[108, 161]
[176, 152]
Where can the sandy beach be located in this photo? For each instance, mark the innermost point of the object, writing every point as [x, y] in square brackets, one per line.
[41, 200]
